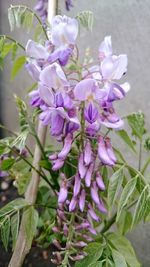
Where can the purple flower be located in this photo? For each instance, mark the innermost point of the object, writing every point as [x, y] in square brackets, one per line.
[91, 113]
[57, 164]
[82, 200]
[63, 193]
[92, 213]
[77, 185]
[35, 100]
[62, 55]
[101, 207]
[113, 67]
[33, 70]
[105, 48]
[41, 9]
[68, 4]
[81, 167]
[53, 76]
[94, 193]
[103, 154]
[88, 175]
[64, 31]
[67, 146]
[72, 204]
[100, 182]
[87, 153]
[36, 51]
[88, 90]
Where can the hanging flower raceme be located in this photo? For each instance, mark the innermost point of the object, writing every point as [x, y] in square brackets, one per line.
[77, 110]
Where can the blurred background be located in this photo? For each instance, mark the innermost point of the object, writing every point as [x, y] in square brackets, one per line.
[128, 22]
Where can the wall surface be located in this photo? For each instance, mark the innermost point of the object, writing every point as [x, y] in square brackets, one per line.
[128, 22]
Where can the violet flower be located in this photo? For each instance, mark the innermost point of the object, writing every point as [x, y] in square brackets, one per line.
[104, 152]
[82, 200]
[64, 31]
[63, 193]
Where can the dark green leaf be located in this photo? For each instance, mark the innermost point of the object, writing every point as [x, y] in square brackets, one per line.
[126, 194]
[31, 221]
[18, 64]
[119, 259]
[114, 186]
[14, 50]
[137, 124]
[94, 251]
[13, 206]
[125, 221]
[86, 19]
[6, 49]
[141, 206]
[124, 135]
[5, 232]
[7, 164]
[15, 219]
[123, 246]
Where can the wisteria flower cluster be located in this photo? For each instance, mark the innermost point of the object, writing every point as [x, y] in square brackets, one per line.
[77, 106]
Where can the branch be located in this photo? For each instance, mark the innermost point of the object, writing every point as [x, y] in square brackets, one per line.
[22, 248]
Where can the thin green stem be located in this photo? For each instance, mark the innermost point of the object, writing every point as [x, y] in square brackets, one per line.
[140, 156]
[28, 162]
[69, 239]
[12, 40]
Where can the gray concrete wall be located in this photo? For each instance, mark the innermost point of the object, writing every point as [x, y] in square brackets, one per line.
[128, 22]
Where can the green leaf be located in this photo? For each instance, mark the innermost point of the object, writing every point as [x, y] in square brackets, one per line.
[137, 124]
[114, 186]
[14, 50]
[126, 138]
[5, 232]
[45, 164]
[119, 259]
[13, 206]
[123, 246]
[31, 222]
[11, 18]
[141, 206]
[28, 20]
[6, 49]
[125, 221]
[86, 19]
[94, 251]
[126, 194]
[7, 164]
[18, 64]
[15, 219]
[96, 264]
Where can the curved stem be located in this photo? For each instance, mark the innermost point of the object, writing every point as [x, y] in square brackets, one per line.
[35, 15]
[12, 40]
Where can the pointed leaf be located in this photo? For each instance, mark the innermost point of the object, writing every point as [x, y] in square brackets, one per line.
[124, 247]
[15, 219]
[18, 64]
[5, 232]
[12, 206]
[141, 206]
[11, 18]
[86, 19]
[31, 221]
[119, 259]
[126, 194]
[7, 164]
[114, 186]
[124, 135]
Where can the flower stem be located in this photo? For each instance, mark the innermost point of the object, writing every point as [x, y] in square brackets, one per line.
[12, 40]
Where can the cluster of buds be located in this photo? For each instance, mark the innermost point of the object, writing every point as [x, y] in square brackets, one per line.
[77, 105]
